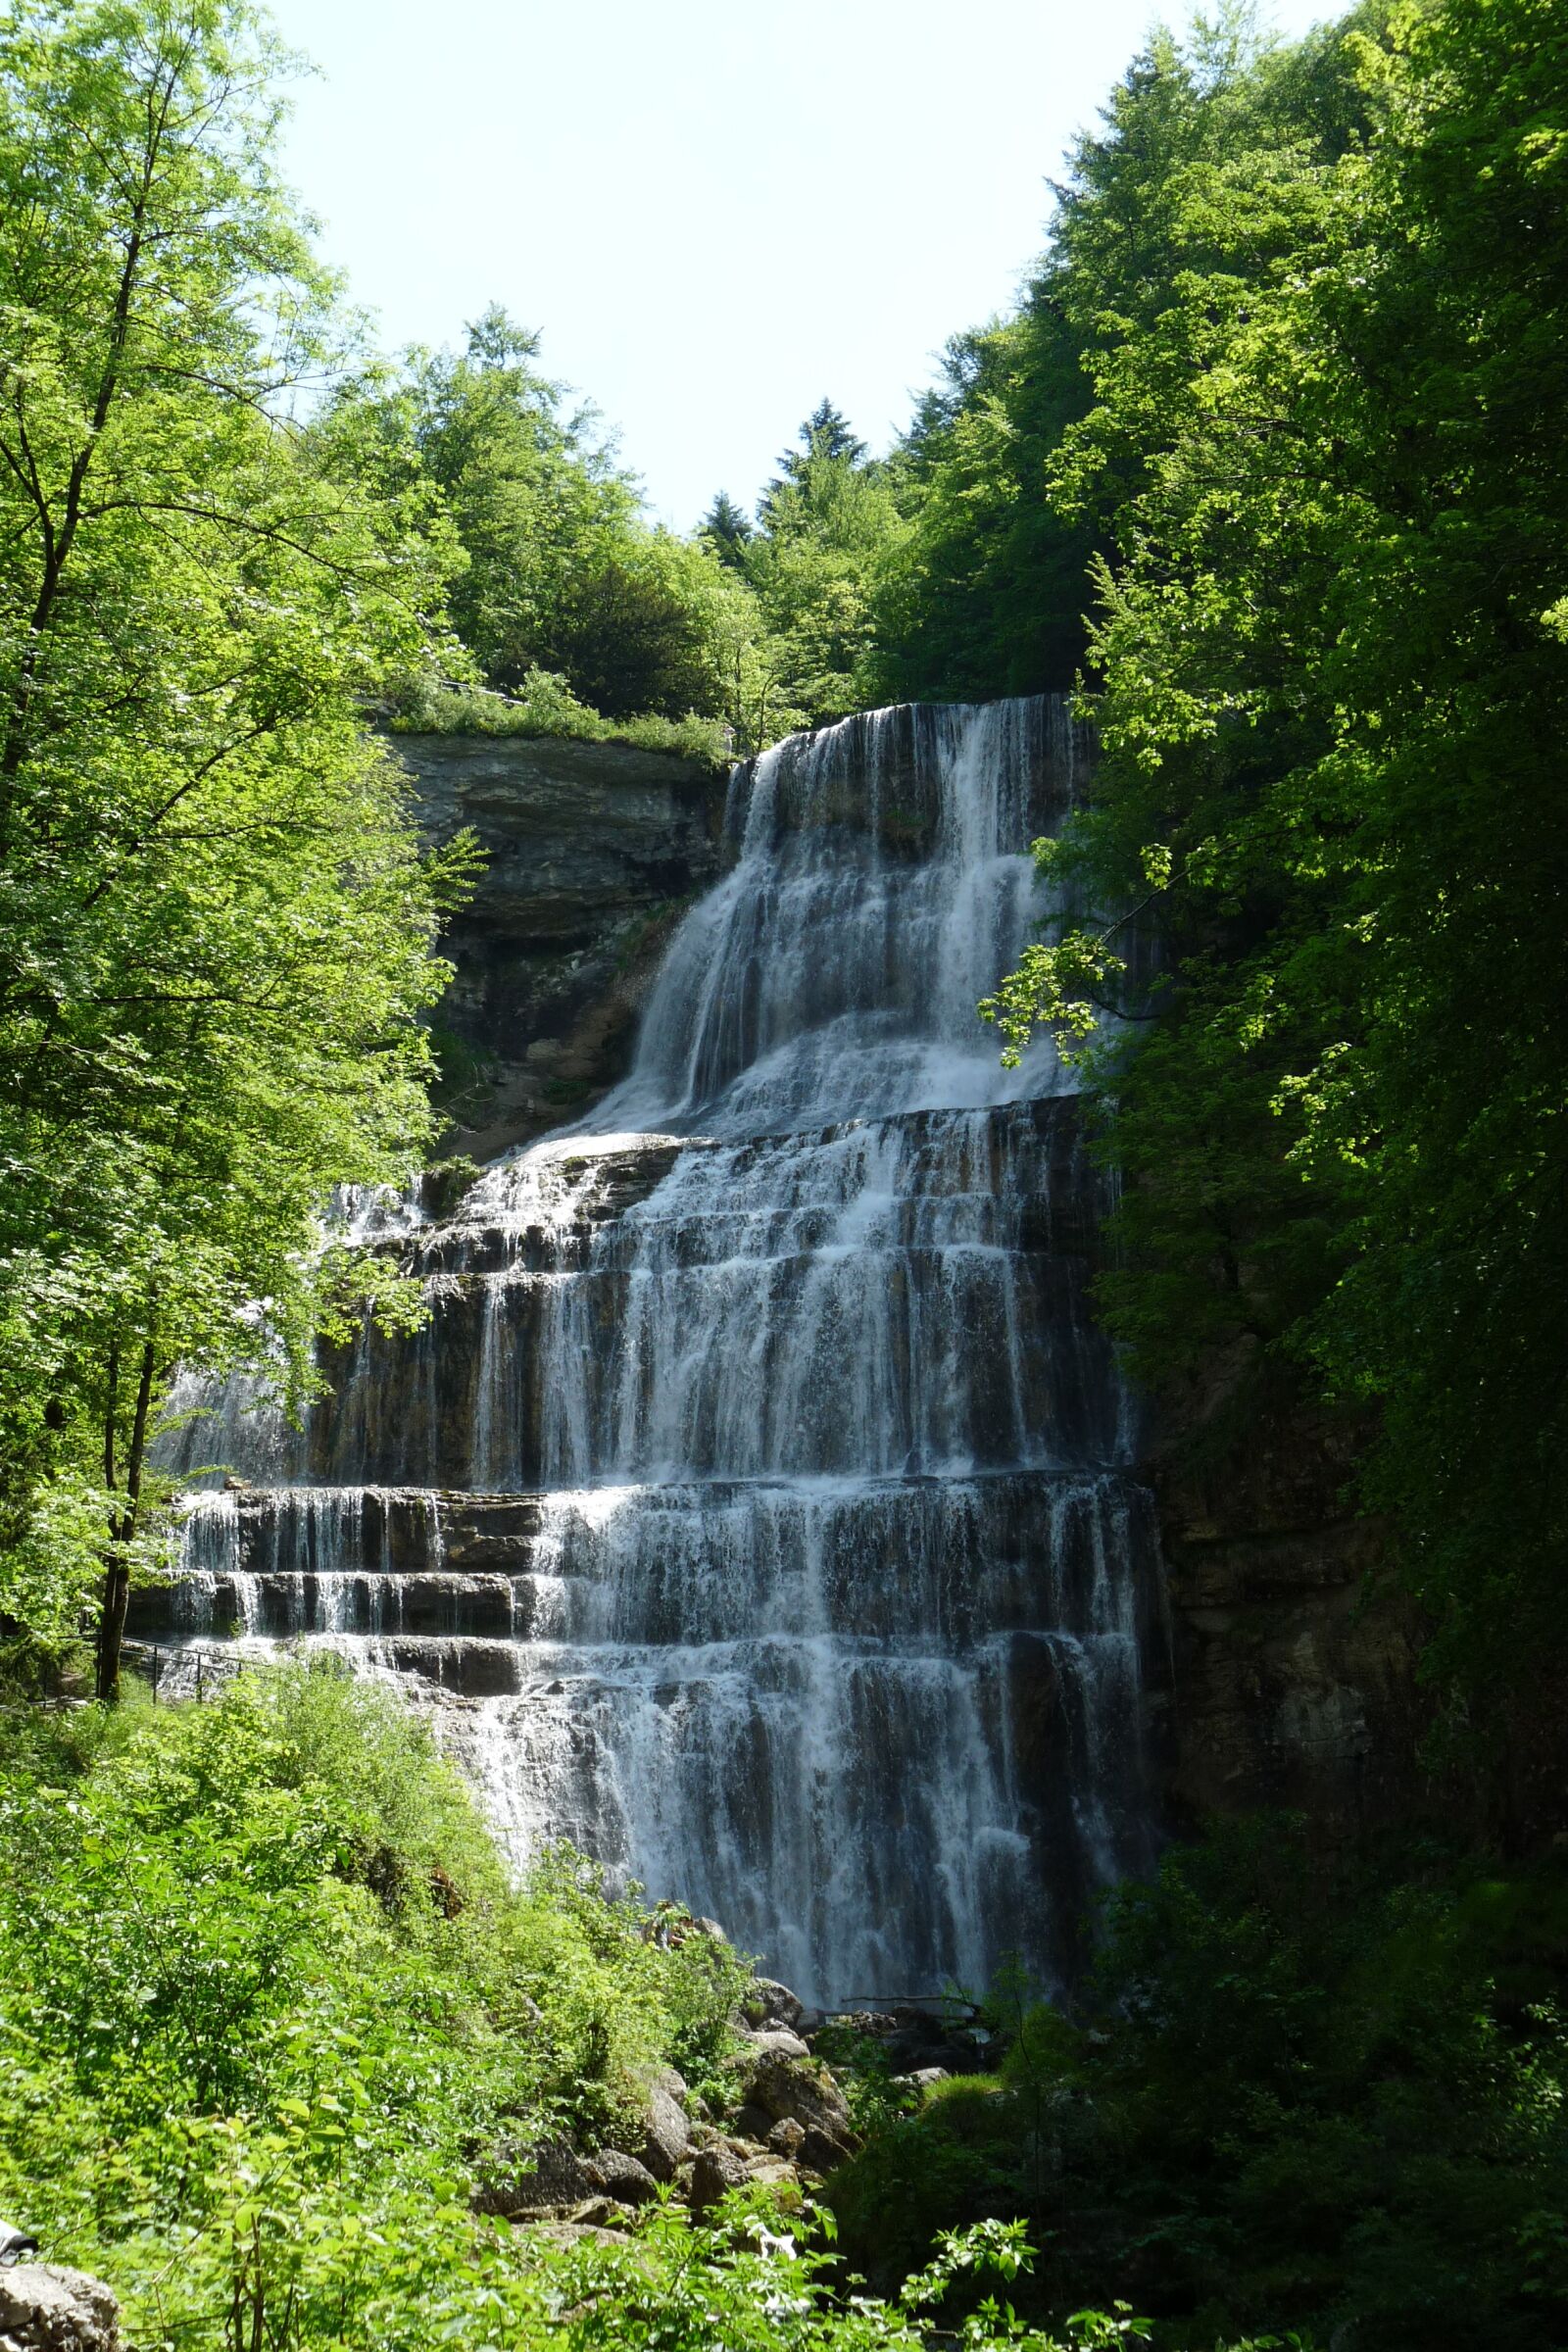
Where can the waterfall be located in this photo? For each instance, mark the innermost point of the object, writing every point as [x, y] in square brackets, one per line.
[755, 1508]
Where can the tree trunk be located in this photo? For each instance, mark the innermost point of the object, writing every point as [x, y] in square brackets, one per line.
[122, 1525]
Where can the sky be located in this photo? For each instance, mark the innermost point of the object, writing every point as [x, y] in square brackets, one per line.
[717, 211]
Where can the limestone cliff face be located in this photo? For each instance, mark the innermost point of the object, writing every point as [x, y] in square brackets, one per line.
[1292, 1652]
[593, 849]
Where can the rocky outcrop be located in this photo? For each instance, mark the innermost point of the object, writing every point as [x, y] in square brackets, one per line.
[44, 2308]
[622, 2177]
[716, 2171]
[787, 2123]
[593, 849]
[666, 2133]
[773, 2004]
[1292, 1652]
[785, 2088]
[548, 2178]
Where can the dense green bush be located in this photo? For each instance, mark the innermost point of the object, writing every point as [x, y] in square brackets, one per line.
[266, 1940]
[545, 704]
[272, 2013]
[1323, 2094]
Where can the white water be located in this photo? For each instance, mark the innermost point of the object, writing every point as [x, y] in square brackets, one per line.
[829, 1614]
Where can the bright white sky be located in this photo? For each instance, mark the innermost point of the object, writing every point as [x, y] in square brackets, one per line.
[716, 210]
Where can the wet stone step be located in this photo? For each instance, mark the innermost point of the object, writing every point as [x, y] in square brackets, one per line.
[854, 1360]
[332, 1531]
[951, 1559]
[747, 1677]
[547, 1215]
[282, 1606]
[559, 1217]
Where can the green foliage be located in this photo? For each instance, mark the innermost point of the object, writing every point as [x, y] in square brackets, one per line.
[545, 704]
[1318, 2105]
[954, 2162]
[984, 593]
[531, 494]
[215, 916]
[726, 527]
[270, 2011]
[1298, 2092]
[876, 2096]
[1321, 295]
[577, 616]
[824, 525]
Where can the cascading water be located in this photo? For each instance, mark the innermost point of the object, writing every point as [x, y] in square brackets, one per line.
[756, 1493]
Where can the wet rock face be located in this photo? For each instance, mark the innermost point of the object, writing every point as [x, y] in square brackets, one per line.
[520, 1380]
[592, 849]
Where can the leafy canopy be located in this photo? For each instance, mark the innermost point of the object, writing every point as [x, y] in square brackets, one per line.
[216, 915]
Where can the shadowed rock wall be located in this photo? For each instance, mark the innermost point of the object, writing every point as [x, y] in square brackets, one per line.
[594, 849]
[1293, 1650]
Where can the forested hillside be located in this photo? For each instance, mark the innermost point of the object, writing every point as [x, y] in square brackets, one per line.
[1319, 297]
[1268, 469]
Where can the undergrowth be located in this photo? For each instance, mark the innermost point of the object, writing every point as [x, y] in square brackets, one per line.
[269, 2004]
[1326, 2094]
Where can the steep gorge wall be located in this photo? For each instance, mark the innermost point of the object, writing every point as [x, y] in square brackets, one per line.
[593, 849]
[1293, 1650]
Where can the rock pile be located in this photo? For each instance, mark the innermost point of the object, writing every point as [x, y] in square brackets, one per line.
[45, 2309]
[786, 2125]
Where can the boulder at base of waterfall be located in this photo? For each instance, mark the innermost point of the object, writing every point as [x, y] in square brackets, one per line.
[667, 2133]
[778, 2042]
[787, 2138]
[574, 2232]
[43, 2309]
[622, 2177]
[601, 2216]
[715, 2172]
[805, 2091]
[779, 2178]
[547, 2179]
[769, 2003]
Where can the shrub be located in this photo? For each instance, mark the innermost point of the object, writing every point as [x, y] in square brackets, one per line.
[544, 704]
[1327, 2093]
[267, 1997]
